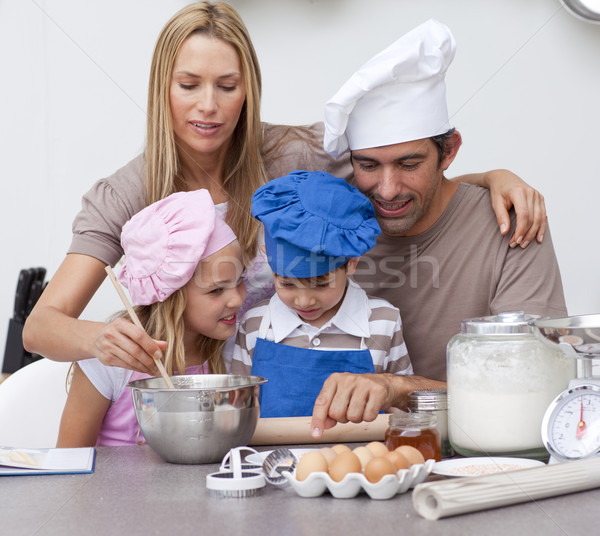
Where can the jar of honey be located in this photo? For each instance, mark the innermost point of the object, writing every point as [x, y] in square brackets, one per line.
[419, 430]
[433, 401]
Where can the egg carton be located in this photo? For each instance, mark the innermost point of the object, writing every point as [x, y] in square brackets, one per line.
[352, 484]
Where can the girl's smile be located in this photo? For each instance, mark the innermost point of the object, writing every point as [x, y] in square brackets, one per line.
[230, 320]
[215, 295]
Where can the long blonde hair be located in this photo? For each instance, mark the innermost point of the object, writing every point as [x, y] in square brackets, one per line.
[164, 321]
[244, 169]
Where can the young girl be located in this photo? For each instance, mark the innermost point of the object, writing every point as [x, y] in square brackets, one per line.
[183, 268]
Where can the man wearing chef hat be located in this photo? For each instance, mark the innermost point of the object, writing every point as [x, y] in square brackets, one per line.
[439, 258]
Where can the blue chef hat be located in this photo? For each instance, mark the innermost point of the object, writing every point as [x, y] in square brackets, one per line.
[314, 222]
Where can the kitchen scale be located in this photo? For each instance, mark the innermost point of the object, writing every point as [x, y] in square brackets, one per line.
[571, 424]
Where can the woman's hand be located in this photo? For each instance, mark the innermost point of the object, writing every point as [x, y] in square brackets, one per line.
[122, 344]
[507, 190]
[54, 330]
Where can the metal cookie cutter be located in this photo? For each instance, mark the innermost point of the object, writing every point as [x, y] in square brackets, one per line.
[276, 463]
[235, 477]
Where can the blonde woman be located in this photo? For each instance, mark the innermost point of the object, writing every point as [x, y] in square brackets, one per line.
[203, 131]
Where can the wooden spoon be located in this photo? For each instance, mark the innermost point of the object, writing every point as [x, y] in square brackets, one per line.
[137, 322]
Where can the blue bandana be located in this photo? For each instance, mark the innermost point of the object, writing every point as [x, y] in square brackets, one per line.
[314, 222]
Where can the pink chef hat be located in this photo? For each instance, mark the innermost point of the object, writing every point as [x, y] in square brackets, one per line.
[164, 242]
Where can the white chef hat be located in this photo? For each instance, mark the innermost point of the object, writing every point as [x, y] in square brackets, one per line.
[399, 95]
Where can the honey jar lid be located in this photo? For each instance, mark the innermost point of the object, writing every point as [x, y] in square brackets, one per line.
[428, 400]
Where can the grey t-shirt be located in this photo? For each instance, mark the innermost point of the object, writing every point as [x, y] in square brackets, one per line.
[459, 268]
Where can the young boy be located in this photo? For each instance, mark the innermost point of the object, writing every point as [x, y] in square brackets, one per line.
[319, 321]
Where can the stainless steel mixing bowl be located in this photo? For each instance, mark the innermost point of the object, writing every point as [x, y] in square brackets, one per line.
[201, 419]
[579, 336]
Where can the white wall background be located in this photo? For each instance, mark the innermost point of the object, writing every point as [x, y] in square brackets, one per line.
[524, 91]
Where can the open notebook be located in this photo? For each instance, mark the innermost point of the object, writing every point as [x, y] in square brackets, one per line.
[51, 461]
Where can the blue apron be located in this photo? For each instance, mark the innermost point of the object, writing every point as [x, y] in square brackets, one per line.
[296, 375]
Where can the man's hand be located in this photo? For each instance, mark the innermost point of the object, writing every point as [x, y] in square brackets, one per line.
[356, 398]
[351, 397]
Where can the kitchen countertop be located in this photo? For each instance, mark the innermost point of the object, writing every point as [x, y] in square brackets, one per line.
[133, 491]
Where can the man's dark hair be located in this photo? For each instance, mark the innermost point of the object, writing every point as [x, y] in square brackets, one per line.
[441, 142]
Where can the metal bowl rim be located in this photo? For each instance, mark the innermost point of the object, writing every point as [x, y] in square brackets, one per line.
[569, 322]
[253, 381]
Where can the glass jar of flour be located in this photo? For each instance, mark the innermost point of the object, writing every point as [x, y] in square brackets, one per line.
[502, 375]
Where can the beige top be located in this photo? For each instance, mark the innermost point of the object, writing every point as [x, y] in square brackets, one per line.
[114, 200]
[459, 268]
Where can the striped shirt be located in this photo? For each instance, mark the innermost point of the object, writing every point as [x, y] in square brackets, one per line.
[360, 323]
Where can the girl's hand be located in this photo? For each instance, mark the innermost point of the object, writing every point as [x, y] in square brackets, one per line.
[123, 344]
[508, 190]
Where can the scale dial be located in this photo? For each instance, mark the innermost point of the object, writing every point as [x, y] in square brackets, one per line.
[571, 424]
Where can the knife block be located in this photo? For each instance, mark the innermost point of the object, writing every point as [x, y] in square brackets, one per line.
[15, 356]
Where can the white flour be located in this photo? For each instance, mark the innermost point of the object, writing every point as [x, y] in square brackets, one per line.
[498, 394]
[498, 423]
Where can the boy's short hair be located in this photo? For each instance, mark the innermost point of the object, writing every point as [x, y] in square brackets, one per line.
[317, 279]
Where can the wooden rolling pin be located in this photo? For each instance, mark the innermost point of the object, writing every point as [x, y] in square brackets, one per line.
[296, 431]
